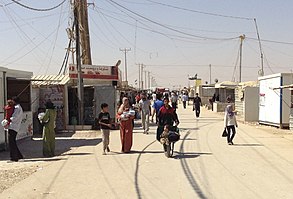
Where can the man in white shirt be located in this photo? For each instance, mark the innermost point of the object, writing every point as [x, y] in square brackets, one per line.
[145, 105]
[13, 129]
[184, 100]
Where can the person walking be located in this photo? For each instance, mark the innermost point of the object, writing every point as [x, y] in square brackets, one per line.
[166, 116]
[144, 106]
[104, 120]
[174, 100]
[184, 100]
[126, 128]
[49, 122]
[197, 104]
[13, 129]
[230, 123]
[156, 107]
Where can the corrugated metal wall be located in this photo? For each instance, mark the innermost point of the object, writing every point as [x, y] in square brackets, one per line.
[239, 101]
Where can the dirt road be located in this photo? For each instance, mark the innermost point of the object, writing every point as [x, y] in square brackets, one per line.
[258, 165]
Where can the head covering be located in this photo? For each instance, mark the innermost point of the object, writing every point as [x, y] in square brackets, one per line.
[229, 110]
[124, 105]
[49, 105]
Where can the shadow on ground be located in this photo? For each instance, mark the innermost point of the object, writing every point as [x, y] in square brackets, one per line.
[32, 148]
[179, 155]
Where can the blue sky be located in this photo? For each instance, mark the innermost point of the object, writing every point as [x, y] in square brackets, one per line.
[173, 38]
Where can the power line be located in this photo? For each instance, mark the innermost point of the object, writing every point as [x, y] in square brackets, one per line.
[54, 44]
[170, 36]
[23, 36]
[186, 28]
[125, 50]
[30, 41]
[164, 26]
[38, 9]
[104, 20]
[200, 12]
[271, 41]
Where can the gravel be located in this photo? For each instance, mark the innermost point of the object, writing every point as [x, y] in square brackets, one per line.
[14, 173]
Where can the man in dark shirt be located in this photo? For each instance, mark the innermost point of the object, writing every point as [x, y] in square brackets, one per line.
[196, 104]
[105, 123]
[166, 116]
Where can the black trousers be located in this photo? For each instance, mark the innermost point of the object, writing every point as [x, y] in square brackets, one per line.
[15, 154]
[231, 133]
[184, 104]
[197, 111]
[174, 105]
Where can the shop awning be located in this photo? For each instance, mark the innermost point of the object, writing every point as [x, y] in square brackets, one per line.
[47, 80]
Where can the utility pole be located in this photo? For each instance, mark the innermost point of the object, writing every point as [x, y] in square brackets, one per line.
[125, 50]
[149, 80]
[139, 81]
[140, 76]
[78, 63]
[261, 73]
[210, 73]
[142, 82]
[82, 14]
[242, 37]
[145, 79]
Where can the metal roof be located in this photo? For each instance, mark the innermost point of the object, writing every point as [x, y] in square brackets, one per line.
[47, 80]
[226, 84]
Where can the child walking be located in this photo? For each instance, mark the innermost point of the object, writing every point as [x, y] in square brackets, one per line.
[104, 120]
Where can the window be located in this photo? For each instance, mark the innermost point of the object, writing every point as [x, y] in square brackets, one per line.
[22, 89]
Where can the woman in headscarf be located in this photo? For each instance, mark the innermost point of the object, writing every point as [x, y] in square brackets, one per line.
[230, 123]
[48, 131]
[126, 125]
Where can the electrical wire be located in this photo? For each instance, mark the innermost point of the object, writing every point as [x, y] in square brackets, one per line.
[172, 37]
[55, 41]
[135, 26]
[236, 63]
[65, 60]
[268, 64]
[271, 41]
[22, 34]
[186, 28]
[164, 26]
[30, 41]
[38, 9]
[103, 19]
[200, 12]
[32, 18]
[113, 45]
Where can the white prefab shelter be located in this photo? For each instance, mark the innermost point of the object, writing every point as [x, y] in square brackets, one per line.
[275, 102]
[16, 83]
[247, 101]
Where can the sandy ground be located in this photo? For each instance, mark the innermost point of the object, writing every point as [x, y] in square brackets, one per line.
[12, 173]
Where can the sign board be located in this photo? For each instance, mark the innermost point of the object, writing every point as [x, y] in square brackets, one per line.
[54, 93]
[94, 72]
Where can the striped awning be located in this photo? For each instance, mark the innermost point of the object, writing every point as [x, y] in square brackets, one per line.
[47, 80]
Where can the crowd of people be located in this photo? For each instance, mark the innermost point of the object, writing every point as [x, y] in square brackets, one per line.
[161, 108]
